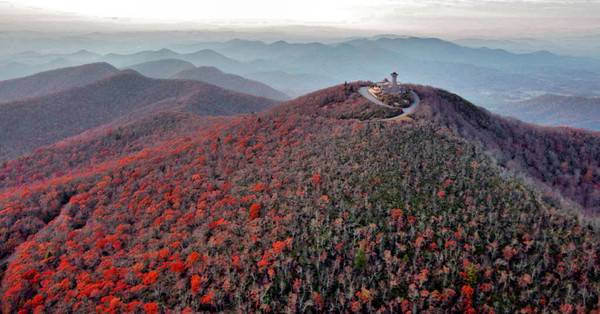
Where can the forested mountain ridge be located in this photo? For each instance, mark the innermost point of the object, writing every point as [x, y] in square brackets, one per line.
[30, 123]
[566, 159]
[53, 81]
[310, 206]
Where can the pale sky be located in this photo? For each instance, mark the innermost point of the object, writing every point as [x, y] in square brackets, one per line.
[433, 16]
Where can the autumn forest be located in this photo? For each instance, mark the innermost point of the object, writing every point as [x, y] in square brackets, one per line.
[314, 205]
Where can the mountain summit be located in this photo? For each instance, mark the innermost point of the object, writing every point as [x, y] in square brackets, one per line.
[316, 205]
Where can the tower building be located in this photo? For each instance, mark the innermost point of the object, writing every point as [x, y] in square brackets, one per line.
[394, 82]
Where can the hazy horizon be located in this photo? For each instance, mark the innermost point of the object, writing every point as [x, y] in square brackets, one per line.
[446, 19]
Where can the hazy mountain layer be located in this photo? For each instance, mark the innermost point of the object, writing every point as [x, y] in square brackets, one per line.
[558, 110]
[162, 69]
[234, 82]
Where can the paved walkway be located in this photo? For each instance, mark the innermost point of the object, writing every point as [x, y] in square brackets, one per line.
[406, 111]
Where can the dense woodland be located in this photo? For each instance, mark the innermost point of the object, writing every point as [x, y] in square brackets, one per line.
[313, 206]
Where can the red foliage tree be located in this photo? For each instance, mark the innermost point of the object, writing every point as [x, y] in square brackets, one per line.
[254, 211]
[150, 278]
[196, 283]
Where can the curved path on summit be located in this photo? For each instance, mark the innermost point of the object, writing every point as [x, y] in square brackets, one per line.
[406, 111]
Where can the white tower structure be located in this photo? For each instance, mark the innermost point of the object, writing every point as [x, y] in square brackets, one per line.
[394, 82]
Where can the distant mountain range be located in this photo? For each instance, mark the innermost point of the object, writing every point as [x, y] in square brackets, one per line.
[433, 49]
[557, 110]
[488, 77]
[204, 57]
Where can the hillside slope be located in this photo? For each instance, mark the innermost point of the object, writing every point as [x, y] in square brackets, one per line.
[234, 82]
[53, 81]
[557, 110]
[303, 209]
[30, 123]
